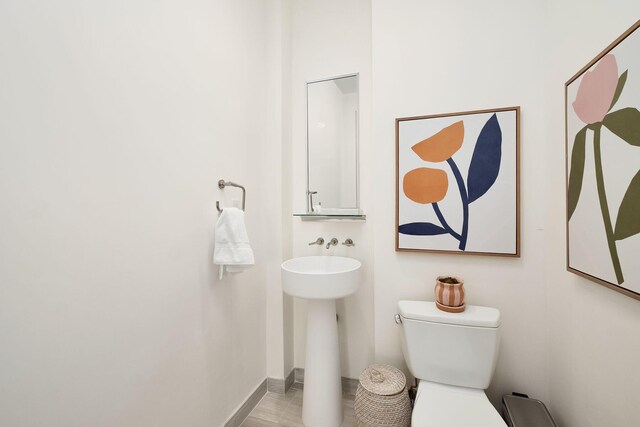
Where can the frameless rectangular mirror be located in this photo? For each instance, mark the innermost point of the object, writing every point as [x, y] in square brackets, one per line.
[332, 147]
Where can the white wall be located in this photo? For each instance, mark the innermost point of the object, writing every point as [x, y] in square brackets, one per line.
[593, 331]
[434, 57]
[116, 121]
[276, 158]
[331, 38]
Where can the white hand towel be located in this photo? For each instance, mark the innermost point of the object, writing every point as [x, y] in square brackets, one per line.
[232, 249]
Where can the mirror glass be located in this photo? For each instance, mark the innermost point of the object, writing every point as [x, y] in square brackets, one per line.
[332, 146]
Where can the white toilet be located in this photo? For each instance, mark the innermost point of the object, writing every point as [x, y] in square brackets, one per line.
[453, 355]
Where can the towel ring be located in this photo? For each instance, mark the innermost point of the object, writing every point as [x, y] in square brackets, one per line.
[222, 183]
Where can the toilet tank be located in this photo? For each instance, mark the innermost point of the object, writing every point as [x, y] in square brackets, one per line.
[458, 349]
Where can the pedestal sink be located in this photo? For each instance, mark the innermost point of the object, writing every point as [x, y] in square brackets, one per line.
[321, 280]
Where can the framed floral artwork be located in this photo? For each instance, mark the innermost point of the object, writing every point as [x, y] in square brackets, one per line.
[603, 167]
[457, 183]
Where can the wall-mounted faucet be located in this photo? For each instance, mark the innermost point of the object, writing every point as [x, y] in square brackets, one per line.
[319, 241]
[348, 242]
[332, 242]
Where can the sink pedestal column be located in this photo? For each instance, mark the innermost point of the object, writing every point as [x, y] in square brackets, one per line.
[322, 396]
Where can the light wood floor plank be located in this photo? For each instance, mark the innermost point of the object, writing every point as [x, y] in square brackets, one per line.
[278, 410]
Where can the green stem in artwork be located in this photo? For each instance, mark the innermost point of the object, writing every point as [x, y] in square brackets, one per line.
[604, 206]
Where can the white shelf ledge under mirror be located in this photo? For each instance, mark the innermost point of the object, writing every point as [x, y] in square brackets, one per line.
[313, 216]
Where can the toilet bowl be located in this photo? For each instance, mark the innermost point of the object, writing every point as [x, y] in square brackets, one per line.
[453, 356]
[444, 405]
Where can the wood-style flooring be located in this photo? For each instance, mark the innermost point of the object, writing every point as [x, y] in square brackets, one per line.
[277, 409]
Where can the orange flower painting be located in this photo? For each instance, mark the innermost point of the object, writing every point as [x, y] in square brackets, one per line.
[439, 147]
[442, 145]
[425, 185]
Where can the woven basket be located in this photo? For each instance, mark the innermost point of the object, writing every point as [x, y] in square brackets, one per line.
[382, 399]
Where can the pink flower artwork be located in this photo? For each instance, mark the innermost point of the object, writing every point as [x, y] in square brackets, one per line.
[596, 91]
[602, 118]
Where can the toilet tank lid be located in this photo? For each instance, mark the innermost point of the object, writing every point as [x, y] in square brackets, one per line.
[473, 315]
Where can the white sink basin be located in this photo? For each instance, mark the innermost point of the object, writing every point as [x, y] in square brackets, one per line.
[321, 280]
[320, 277]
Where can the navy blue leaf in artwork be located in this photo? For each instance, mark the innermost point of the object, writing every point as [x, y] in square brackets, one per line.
[421, 229]
[485, 163]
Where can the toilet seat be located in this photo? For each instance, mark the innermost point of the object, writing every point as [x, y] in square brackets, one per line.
[440, 405]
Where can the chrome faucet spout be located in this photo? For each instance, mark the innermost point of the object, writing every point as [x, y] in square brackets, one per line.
[332, 242]
[311, 193]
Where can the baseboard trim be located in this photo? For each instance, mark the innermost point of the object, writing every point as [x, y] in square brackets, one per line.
[291, 378]
[349, 385]
[281, 386]
[247, 406]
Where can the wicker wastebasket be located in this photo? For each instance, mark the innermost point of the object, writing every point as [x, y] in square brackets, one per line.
[382, 399]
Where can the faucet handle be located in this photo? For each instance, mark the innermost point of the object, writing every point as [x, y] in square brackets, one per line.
[348, 242]
[319, 241]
